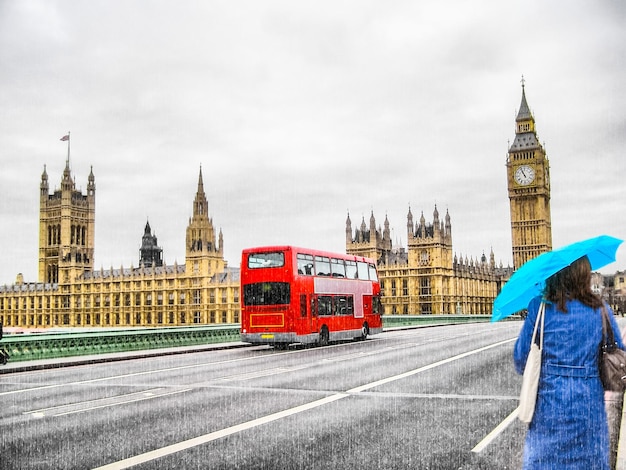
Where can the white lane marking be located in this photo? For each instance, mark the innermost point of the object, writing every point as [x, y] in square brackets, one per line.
[443, 396]
[147, 397]
[133, 374]
[260, 373]
[489, 438]
[101, 379]
[81, 407]
[156, 371]
[191, 366]
[171, 449]
[356, 355]
[196, 441]
[87, 402]
[393, 378]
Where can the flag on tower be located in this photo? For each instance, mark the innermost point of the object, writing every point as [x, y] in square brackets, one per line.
[65, 137]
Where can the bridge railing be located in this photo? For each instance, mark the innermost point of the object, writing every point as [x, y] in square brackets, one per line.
[390, 321]
[66, 343]
[28, 347]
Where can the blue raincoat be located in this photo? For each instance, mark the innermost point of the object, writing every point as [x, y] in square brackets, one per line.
[569, 428]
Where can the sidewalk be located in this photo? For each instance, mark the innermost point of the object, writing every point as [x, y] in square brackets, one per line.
[620, 462]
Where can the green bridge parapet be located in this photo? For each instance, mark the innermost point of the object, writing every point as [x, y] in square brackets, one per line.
[28, 347]
[392, 321]
[90, 341]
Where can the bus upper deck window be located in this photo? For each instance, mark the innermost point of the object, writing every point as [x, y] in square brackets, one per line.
[373, 274]
[338, 267]
[351, 272]
[305, 265]
[322, 266]
[274, 259]
[363, 270]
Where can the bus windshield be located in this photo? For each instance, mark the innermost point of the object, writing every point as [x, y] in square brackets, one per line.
[266, 293]
[266, 260]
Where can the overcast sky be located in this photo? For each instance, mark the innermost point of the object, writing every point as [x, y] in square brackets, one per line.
[302, 112]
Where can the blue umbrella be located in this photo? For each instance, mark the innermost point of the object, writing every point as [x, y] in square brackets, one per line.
[529, 280]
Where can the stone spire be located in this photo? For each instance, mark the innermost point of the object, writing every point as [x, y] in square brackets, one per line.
[348, 229]
[150, 254]
[524, 113]
[91, 183]
[44, 187]
[66, 182]
[203, 254]
[200, 204]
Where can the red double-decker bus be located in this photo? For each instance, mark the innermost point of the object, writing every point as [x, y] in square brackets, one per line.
[297, 295]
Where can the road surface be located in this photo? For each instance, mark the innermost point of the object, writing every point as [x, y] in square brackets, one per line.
[427, 398]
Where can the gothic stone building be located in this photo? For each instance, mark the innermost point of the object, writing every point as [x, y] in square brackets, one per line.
[528, 180]
[71, 293]
[426, 278]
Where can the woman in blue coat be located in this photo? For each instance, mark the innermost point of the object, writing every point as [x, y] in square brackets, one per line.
[569, 429]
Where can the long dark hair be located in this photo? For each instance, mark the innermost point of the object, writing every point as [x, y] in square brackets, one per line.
[572, 283]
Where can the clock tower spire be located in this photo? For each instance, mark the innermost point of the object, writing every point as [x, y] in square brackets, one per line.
[528, 175]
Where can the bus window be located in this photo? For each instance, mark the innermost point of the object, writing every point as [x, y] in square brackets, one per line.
[266, 260]
[266, 293]
[303, 305]
[373, 274]
[324, 305]
[363, 270]
[305, 265]
[351, 272]
[377, 307]
[322, 266]
[338, 267]
[344, 305]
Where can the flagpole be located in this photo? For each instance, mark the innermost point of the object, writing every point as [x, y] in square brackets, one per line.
[63, 139]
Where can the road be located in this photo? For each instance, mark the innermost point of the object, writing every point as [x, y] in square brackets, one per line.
[428, 398]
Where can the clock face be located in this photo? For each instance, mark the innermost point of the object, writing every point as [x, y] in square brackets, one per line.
[524, 175]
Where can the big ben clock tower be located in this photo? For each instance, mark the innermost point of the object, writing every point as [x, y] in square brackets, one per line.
[528, 174]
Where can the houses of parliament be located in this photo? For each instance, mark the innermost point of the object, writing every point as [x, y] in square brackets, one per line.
[423, 278]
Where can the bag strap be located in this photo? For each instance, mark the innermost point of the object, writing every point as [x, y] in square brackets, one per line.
[608, 337]
[540, 318]
[542, 310]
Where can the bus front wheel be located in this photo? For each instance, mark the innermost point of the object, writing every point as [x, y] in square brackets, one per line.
[365, 330]
[324, 337]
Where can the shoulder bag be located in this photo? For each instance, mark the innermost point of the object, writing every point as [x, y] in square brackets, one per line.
[612, 359]
[532, 370]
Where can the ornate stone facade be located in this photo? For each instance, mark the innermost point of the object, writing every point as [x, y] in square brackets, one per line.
[425, 278]
[66, 228]
[528, 177]
[70, 293]
[150, 253]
